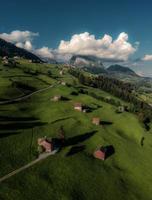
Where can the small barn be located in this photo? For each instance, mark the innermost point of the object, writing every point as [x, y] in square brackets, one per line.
[100, 154]
[96, 120]
[63, 83]
[50, 144]
[78, 106]
[121, 109]
[5, 58]
[56, 98]
[47, 146]
[5, 62]
[104, 152]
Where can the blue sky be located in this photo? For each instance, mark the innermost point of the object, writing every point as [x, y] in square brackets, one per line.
[60, 20]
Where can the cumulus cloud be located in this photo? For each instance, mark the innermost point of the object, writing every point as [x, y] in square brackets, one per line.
[147, 57]
[26, 45]
[45, 52]
[22, 39]
[106, 47]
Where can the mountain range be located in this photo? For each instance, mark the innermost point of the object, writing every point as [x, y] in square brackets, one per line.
[88, 63]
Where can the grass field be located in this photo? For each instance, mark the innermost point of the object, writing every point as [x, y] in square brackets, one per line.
[125, 175]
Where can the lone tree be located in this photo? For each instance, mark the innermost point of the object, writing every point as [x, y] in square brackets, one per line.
[61, 133]
[142, 141]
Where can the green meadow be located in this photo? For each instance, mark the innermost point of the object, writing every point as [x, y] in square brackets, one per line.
[126, 174]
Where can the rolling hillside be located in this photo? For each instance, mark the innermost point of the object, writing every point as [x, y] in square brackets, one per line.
[121, 69]
[9, 49]
[73, 173]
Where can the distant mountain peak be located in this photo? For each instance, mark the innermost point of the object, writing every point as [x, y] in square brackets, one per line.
[121, 69]
[88, 63]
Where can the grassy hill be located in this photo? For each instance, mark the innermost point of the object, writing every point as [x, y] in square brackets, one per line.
[78, 176]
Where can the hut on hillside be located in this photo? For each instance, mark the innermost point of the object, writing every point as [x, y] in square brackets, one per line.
[5, 62]
[50, 144]
[46, 146]
[121, 109]
[78, 106]
[96, 120]
[63, 83]
[100, 154]
[56, 98]
[104, 152]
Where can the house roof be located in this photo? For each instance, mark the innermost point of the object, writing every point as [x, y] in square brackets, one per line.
[95, 119]
[99, 154]
[45, 144]
[78, 104]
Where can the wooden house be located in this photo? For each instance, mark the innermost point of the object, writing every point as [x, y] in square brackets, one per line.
[121, 109]
[100, 154]
[96, 120]
[47, 146]
[56, 98]
[78, 106]
[104, 152]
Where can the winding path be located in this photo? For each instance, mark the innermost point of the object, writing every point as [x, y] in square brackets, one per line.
[42, 157]
[24, 97]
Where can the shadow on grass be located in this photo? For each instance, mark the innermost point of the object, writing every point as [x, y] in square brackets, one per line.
[78, 139]
[75, 150]
[65, 99]
[97, 105]
[109, 151]
[8, 118]
[7, 134]
[106, 123]
[90, 109]
[21, 125]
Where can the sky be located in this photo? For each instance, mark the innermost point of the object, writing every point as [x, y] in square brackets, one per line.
[119, 31]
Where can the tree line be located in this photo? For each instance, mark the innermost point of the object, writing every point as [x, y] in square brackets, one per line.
[125, 91]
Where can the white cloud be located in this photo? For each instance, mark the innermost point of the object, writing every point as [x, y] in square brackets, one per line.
[106, 47]
[18, 36]
[85, 44]
[27, 45]
[45, 52]
[22, 39]
[147, 57]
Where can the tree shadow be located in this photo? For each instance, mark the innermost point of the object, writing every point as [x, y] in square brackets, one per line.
[64, 98]
[106, 123]
[74, 93]
[97, 105]
[21, 125]
[78, 139]
[8, 118]
[75, 150]
[109, 151]
[90, 109]
[7, 134]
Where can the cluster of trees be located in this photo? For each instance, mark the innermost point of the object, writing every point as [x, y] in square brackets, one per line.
[125, 91]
